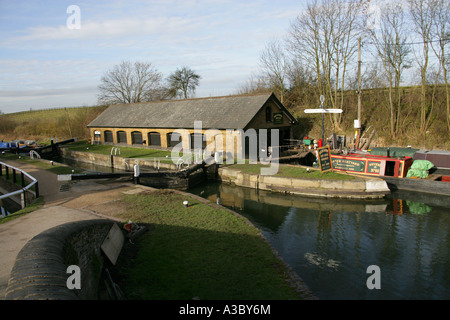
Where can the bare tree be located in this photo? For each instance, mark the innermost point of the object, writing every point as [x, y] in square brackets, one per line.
[440, 33]
[422, 15]
[390, 43]
[254, 84]
[302, 85]
[184, 82]
[129, 83]
[275, 66]
[326, 37]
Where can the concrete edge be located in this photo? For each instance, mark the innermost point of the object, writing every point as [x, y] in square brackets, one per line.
[359, 188]
[39, 271]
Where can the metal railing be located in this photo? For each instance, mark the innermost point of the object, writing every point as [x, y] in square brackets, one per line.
[24, 187]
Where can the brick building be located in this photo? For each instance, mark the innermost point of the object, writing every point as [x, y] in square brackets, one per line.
[157, 124]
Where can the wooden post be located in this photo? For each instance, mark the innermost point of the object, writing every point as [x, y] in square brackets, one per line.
[23, 199]
[359, 94]
[136, 174]
[36, 188]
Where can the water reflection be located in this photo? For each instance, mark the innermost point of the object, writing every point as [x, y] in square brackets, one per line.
[8, 206]
[330, 243]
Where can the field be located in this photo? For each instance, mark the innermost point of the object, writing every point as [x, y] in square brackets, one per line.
[43, 125]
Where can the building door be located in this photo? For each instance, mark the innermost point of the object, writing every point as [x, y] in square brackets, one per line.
[108, 135]
[121, 137]
[154, 139]
[198, 141]
[173, 139]
[136, 137]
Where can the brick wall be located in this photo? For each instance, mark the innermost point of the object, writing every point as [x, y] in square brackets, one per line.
[40, 270]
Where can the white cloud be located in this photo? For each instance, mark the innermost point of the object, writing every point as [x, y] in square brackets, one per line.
[105, 29]
[220, 39]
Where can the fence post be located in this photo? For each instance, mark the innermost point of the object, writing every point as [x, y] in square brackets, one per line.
[23, 199]
[14, 175]
[136, 174]
[7, 172]
[36, 188]
[1, 170]
[22, 176]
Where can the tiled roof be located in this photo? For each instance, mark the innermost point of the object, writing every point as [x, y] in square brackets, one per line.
[231, 112]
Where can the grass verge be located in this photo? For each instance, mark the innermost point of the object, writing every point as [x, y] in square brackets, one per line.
[46, 165]
[198, 252]
[32, 207]
[293, 172]
[126, 152]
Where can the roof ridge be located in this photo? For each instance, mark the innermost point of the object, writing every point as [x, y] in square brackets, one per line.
[196, 99]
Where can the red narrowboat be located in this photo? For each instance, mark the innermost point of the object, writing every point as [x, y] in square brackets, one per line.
[373, 165]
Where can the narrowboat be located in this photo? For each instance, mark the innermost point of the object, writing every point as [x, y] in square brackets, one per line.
[394, 171]
[373, 165]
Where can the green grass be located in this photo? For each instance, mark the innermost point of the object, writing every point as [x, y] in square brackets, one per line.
[293, 172]
[34, 115]
[32, 207]
[56, 168]
[198, 251]
[126, 152]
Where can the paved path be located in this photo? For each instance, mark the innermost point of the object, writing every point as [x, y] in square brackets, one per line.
[77, 200]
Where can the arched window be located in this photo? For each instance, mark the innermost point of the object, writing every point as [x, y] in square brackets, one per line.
[173, 138]
[198, 141]
[121, 137]
[268, 114]
[154, 139]
[136, 137]
[108, 135]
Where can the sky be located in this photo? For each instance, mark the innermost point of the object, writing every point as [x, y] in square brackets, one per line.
[52, 57]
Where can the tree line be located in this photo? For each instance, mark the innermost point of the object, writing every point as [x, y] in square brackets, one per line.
[131, 82]
[401, 43]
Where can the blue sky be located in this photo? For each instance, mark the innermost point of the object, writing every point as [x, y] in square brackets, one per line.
[44, 64]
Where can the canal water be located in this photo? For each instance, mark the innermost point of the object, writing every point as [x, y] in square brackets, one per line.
[8, 206]
[331, 243]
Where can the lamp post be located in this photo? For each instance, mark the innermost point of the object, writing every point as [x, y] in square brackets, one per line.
[322, 99]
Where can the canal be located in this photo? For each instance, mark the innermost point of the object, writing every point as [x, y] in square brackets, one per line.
[330, 243]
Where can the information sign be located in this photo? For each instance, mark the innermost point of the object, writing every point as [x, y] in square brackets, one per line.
[349, 164]
[278, 118]
[323, 154]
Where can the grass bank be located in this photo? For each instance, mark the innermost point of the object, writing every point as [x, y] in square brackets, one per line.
[32, 207]
[201, 251]
[42, 164]
[293, 172]
[126, 152]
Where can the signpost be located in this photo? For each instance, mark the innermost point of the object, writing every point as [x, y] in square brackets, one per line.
[323, 154]
[322, 110]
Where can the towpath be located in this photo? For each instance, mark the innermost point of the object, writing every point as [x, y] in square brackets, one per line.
[63, 202]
